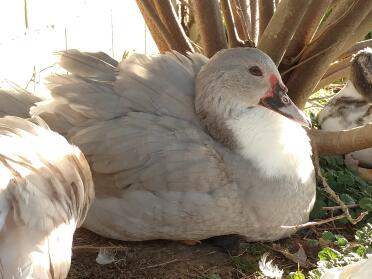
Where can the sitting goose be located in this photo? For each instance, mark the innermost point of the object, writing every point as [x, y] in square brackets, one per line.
[352, 106]
[186, 148]
[46, 188]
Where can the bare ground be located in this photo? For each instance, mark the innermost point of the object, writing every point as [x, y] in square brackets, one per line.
[169, 259]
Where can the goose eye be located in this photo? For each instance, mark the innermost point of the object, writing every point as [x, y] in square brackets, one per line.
[256, 71]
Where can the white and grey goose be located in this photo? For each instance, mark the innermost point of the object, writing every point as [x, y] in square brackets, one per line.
[46, 189]
[352, 106]
[169, 163]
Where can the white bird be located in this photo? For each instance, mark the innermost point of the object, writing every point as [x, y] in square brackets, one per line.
[182, 153]
[358, 270]
[352, 106]
[46, 188]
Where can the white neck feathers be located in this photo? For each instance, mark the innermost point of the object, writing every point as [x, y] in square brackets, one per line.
[276, 145]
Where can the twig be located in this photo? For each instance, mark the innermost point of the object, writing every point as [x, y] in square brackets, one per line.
[292, 257]
[97, 248]
[234, 40]
[241, 20]
[339, 207]
[315, 223]
[306, 60]
[165, 263]
[329, 190]
[169, 19]
[150, 12]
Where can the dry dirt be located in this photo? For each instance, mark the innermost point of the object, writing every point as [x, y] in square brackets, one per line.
[168, 259]
[156, 259]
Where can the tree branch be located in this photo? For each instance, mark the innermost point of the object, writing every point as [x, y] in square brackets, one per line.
[254, 20]
[360, 32]
[338, 9]
[266, 10]
[208, 19]
[169, 18]
[305, 31]
[342, 142]
[234, 40]
[159, 32]
[240, 16]
[283, 24]
[355, 48]
[304, 79]
[336, 71]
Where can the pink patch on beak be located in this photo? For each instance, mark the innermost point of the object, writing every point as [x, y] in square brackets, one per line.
[273, 81]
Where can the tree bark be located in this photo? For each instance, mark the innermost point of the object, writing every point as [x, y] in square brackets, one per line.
[240, 19]
[169, 18]
[233, 39]
[328, 78]
[305, 31]
[305, 78]
[364, 27]
[254, 20]
[282, 26]
[342, 142]
[355, 48]
[209, 21]
[146, 9]
[338, 9]
[266, 10]
[244, 5]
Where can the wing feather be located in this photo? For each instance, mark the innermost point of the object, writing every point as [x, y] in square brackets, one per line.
[98, 90]
[161, 153]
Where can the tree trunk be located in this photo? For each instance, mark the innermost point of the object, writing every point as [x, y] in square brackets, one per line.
[209, 21]
[169, 18]
[266, 11]
[322, 51]
[355, 48]
[305, 31]
[154, 30]
[363, 29]
[282, 26]
[254, 20]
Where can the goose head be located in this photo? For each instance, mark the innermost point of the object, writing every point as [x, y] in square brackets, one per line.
[237, 80]
[361, 73]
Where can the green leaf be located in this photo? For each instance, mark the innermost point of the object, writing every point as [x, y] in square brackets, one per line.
[346, 198]
[361, 251]
[312, 243]
[327, 254]
[326, 235]
[345, 179]
[296, 275]
[211, 276]
[366, 203]
[341, 240]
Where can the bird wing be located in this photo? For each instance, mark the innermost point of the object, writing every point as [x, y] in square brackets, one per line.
[46, 181]
[148, 152]
[99, 89]
[46, 189]
[152, 175]
[16, 101]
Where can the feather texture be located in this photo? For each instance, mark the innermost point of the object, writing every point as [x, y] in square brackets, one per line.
[16, 102]
[45, 192]
[358, 270]
[157, 171]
